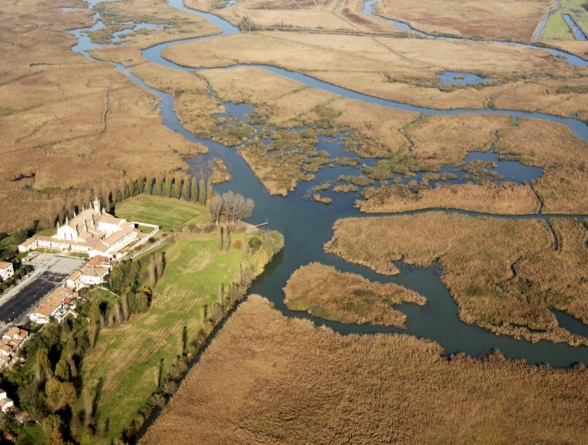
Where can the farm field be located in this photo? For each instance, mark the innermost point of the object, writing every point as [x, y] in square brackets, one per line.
[557, 28]
[277, 380]
[126, 359]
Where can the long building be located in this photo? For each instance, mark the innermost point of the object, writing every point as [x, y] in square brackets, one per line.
[93, 232]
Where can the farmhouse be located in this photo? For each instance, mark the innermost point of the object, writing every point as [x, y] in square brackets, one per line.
[6, 270]
[53, 305]
[93, 232]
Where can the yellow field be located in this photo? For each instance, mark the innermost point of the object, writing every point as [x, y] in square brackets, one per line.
[267, 379]
[490, 19]
[325, 292]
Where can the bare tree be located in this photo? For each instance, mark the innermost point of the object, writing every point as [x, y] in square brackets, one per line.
[216, 208]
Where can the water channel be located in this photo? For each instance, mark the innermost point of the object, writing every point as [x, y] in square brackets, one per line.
[307, 225]
[572, 59]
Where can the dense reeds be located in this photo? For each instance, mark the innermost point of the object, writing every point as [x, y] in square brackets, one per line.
[267, 379]
[504, 274]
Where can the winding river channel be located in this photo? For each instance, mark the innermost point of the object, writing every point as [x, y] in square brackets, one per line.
[307, 225]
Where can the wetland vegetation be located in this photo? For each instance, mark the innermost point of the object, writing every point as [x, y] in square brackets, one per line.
[269, 101]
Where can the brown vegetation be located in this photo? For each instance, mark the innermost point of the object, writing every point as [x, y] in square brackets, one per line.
[69, 124]
[402, 69]
[266, 379]
[341, 16]
[504, 274]
[505, 198]
[494, 19]
[564, 184]
[325, 292]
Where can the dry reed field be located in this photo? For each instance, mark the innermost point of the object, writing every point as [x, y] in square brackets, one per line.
[65, 120]
[494, 19]
[340, 16]
[503, 274]
[402, 69]
[325, 292]
[564, 184]
[504, 199]
[267, 379]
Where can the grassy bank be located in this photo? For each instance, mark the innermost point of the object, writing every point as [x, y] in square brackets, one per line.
[557, 28]
[268, 379]
[128, 360]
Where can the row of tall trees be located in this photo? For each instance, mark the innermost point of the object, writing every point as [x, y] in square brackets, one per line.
[179, 186]
[49, 385]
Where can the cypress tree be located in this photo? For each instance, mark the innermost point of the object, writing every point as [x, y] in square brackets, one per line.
[177, 187]
[186, 189]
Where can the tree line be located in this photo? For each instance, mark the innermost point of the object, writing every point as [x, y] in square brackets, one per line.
[49, 384]
[179, 186]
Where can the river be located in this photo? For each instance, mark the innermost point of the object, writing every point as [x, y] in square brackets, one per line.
[307, 225]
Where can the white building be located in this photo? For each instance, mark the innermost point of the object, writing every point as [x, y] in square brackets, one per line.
[92, 273]
[6, 404]
[93, 231]
[6, 270]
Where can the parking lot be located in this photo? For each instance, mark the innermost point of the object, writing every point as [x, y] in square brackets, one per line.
[49, 272]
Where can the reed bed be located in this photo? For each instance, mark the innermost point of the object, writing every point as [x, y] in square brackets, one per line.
[267, 379]
[503, 274]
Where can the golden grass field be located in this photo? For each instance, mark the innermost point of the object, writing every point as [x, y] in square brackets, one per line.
[504, 199]
[64, 128]
[503, 274]
[267, 379]
[327, 293]
[402, 69]
[341, 16]
[494, 19]
[64, 119]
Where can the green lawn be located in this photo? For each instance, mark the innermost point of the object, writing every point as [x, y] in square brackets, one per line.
[557, 28]
[165, 212]
[127, 356]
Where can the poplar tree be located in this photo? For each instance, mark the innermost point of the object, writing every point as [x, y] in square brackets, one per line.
[201, 192]
[168, 187]
[209, 192]
[194, 192]
[186, 189]
[177, 187]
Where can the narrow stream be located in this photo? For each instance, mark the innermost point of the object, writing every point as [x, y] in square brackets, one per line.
[307, 225]
[576, 30]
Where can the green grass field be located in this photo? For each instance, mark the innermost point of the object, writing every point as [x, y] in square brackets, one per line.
[165, 212]
[557, 28]
[127, 357]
